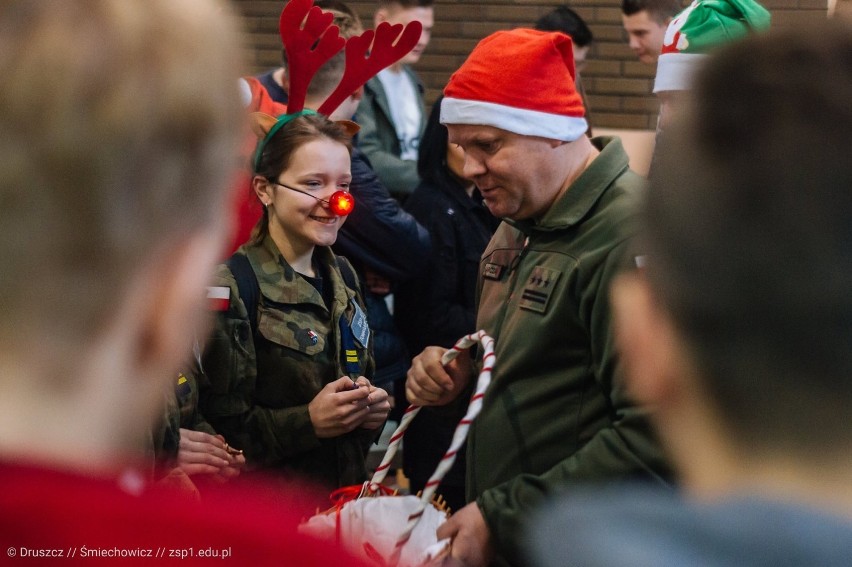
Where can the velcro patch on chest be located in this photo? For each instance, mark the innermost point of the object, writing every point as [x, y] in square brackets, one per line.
[538, 289]
[492, 271]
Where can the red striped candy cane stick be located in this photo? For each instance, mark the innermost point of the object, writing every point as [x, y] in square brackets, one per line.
[393, 445]
[473, 407]
[460, 434]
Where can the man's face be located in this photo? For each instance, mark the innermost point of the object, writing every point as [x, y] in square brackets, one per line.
[517, 175]
[398, 15]
[645, 35]
[580, 54]
[672, 104]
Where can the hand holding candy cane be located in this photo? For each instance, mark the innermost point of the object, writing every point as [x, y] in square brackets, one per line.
[447, 358]
[430, 383]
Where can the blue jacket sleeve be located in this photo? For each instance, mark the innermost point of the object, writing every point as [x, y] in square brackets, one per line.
[379, 234]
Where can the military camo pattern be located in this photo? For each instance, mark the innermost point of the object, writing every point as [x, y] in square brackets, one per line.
[256, 386]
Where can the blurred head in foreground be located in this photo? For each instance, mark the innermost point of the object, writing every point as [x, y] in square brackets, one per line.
[113, 171]
[738, 330]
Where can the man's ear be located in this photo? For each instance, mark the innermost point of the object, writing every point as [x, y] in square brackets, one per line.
[380, 16]
[647, 342]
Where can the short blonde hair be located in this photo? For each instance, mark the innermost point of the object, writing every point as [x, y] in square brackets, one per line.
[117, 136]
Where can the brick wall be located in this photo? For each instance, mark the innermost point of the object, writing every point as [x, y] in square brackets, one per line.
[618, 86]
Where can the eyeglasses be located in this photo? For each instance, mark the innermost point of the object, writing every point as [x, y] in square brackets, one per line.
[341, 203]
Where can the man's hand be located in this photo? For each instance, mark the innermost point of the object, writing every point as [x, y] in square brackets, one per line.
[202, 453]
[339, 407]
[428, 383]
[471, 540]
[376, 283]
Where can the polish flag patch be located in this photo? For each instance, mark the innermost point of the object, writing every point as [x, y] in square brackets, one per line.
[218, 298]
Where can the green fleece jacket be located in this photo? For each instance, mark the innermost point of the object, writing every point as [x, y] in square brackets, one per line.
[557, 411]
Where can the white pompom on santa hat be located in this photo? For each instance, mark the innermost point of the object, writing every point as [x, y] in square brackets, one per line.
[519, 80]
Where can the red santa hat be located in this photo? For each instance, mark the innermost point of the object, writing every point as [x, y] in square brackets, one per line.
[519, 80]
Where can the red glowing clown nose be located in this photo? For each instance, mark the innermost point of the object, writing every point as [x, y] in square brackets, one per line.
[341, 203]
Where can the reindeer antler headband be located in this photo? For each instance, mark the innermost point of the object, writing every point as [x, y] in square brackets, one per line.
[311, 40]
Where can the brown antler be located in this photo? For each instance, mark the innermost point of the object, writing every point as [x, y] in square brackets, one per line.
[308, 47]
[392, 43]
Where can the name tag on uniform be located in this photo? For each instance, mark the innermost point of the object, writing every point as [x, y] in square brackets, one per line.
[359, 326]
[492, 271]
[538, 289]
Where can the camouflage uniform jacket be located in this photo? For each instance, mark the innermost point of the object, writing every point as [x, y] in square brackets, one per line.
[180, 411]
[255, 390]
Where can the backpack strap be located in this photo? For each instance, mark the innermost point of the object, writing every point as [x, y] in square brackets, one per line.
[249, 290]
[247, 286]
[348, 274]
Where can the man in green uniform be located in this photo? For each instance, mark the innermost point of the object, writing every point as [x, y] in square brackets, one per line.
[557, 411]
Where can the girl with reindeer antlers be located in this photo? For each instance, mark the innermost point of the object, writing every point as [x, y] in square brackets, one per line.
[286, 373]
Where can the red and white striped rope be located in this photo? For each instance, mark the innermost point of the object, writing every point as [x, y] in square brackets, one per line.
[393, 445]
[459, 436]
[473, 407]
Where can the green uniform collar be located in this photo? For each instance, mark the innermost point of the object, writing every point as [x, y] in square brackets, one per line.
[280, 283]
[582, 195]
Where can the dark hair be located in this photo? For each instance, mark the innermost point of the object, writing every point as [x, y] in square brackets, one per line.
[432, 157]
[278, 151]
[344, 18]
[329, 74]
[337, 6]
[748, 232]
[405, 4]
[658, 10]
[564, 19]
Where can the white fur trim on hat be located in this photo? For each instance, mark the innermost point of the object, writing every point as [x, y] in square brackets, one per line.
[518, 120]
[675, 71]
[245, 92]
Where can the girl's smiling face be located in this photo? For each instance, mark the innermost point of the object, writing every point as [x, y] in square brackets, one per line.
[319, 168]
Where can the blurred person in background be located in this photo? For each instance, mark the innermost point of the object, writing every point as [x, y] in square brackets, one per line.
[564, 19]
[439, 307]
[392, 113]
[645, 22]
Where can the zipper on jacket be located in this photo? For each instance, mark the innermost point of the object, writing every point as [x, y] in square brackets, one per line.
[513, 269]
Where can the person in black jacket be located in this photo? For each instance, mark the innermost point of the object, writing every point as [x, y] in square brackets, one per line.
[387, 246]
[440, 308]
